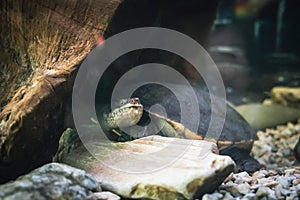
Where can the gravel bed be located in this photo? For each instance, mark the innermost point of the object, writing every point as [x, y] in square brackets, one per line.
[280, 176]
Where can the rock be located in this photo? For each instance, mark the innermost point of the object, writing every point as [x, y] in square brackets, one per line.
[106, 196]
[298, 190]
[262, 191]
[286, 96]
[289, 172]
[284, 182]
[265, 184]
[259, 174]
[284, 138]
[255, 186]
[228, 196]
[296, 182]
[242, 177]
[272, 172]
[52, 181]
[181, 169]
[244, 188]
[271, 184]
[233, 189]
[280, 179]
[250, 196]
[297, 150]
[214, 196]
[258, 115]
[271, 194]
[277, 189]
[284, 192]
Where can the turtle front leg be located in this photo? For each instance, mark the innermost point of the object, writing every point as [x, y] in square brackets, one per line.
[242, 159]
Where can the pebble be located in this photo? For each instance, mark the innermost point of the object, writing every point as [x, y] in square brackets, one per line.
[106, 196]
[263, 184]
[283, 181]
[296, 182]
[242, 177]
[272, 172]
[298, 190]
[280, 179]
[250, 196]
[262, 191]
[255, 186]
[259, 174]
[243, 188]
[284, 192]
[274, 149]
[271, 184]
[214, 196]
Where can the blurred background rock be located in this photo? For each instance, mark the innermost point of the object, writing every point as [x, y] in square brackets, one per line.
[255, 44]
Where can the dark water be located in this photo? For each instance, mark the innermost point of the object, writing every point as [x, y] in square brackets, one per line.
[256, 51]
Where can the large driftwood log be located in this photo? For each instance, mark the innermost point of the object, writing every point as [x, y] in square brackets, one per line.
[42, 43]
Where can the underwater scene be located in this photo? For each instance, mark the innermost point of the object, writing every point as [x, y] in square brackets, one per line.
[150, 99]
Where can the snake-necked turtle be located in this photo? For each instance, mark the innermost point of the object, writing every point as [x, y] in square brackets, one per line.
[235, 140]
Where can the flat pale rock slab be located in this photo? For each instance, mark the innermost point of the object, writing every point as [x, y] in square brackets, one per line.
[156, 167]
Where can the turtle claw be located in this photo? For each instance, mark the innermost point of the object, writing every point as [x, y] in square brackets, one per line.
[250, 165]
[242, 159]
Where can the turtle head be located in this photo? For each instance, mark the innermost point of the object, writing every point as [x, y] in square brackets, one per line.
[128, 113]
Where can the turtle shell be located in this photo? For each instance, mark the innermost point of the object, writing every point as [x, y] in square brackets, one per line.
[180, 107]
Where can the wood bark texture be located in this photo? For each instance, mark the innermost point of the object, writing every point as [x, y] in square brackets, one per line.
[42, 43]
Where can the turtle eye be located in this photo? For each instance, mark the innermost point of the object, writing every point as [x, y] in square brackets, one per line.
[123, 102]
[134, 100]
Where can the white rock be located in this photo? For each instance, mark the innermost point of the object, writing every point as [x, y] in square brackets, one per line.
[214, 196]
[242, 177]
[158, 167]
[106, 196]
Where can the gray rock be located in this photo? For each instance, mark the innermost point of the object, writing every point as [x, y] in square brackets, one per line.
[289, 172]
[298, 190]
[262, 191]
[285, 192]
[228, 196]
[255, 186]
[233, 190]
[250, 196]
[181, 169]
[51, 181]
[278, 191]
[244, 188]
[271, 194]
[269, 186]
[284, 182]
